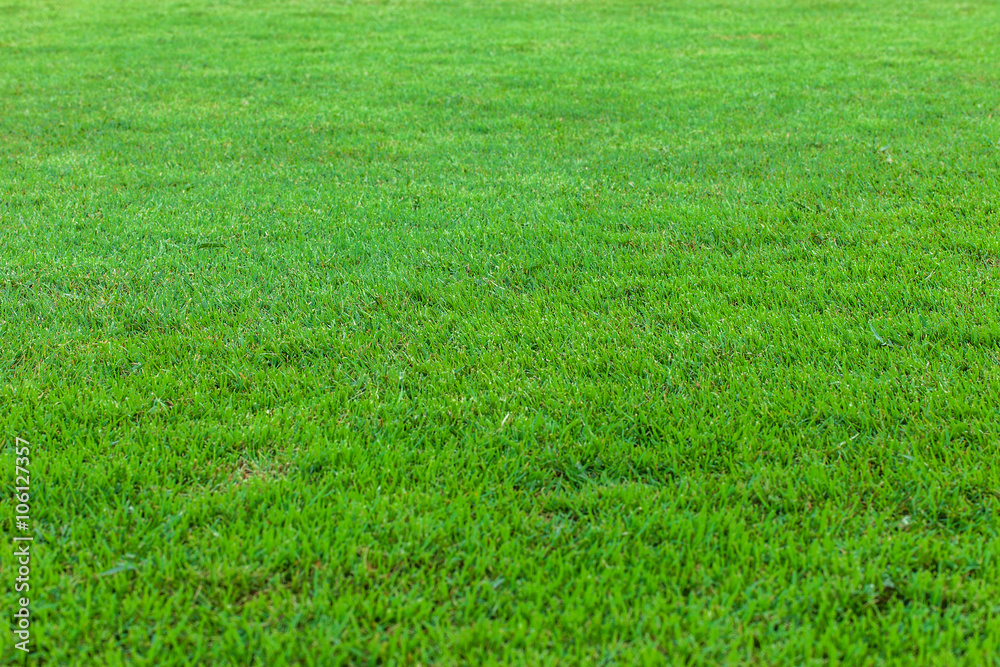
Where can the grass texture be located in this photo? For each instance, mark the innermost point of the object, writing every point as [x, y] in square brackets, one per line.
[527, 332]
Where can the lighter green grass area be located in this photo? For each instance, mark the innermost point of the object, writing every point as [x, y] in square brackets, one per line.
[598, 332]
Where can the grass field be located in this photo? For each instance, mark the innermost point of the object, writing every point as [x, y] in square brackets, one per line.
[597, 332]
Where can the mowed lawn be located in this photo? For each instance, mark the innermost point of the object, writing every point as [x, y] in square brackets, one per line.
[596, 332]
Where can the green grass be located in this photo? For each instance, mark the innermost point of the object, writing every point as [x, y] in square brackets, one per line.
[605, 332]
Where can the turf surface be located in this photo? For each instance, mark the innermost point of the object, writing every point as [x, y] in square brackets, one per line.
[534, 332]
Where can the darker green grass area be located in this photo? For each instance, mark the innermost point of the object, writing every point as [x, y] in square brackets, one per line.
[527, 332]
